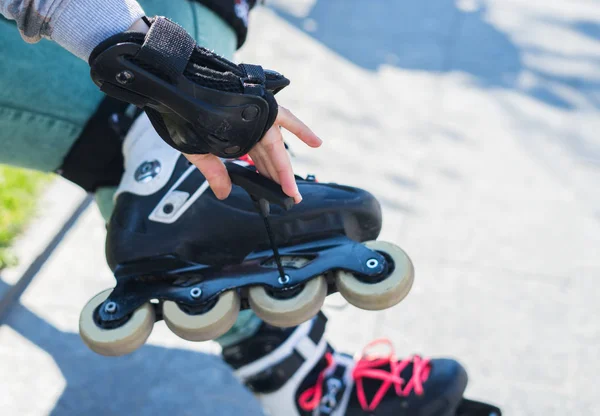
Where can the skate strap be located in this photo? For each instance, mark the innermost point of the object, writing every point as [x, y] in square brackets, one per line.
[273, 370]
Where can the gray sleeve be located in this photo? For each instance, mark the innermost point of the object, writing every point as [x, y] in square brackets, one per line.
[76, 25]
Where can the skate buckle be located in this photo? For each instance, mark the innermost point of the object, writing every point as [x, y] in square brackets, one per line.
[329, 401]
[147, 171]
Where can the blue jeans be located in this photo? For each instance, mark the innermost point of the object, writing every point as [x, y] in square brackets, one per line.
[47, 96]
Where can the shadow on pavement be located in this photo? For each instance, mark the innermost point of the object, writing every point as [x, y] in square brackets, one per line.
[438, 36]
[152, 380]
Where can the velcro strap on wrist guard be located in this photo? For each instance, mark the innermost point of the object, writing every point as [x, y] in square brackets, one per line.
[169, 47]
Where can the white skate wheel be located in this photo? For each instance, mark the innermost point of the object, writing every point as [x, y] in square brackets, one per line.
[289, 312]
[120, 340]
[204, 326]
[386, 293]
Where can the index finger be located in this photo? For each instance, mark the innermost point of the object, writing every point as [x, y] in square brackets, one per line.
[215, 173]
[290, 122]
[277, 155]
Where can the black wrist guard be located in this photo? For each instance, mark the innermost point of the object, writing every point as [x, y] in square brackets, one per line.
[197, 101]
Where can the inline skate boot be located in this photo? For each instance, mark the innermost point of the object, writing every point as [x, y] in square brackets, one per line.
[295, 372]
[180, 254]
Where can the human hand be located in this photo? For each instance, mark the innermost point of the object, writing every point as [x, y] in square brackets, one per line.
[269, 155]
[179, 131]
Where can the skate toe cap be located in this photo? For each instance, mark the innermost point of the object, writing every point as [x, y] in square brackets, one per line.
[446, 383]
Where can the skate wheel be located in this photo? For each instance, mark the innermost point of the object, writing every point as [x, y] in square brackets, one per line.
[207, 325]
[120, 340]
[383, 294]
[291, 311]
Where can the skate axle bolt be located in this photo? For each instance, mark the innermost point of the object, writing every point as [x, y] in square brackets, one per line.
[110, 307]
[125, 77]
[196, 292]
[284, 280]
[372, 263]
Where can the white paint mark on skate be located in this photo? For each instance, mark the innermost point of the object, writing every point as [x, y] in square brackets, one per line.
[174, 198]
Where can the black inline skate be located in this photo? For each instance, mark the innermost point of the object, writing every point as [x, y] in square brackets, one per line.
[295, 372]
[180, 254]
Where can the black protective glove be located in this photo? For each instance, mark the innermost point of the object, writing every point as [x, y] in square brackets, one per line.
[197, 101]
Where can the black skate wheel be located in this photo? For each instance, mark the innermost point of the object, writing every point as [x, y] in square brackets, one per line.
[120, 340]
[385, 293]
[289, 311]
[207, 325]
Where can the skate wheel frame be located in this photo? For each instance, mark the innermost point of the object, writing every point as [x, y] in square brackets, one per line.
[357, 272]
[338, 253]
[204, 326]
[386, 293]
[120, 340]
[292, 311]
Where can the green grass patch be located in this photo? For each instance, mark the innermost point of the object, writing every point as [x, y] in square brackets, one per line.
[19, 189]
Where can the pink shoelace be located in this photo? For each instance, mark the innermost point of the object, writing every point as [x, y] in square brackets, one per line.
[246, 158]
[370, 366]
